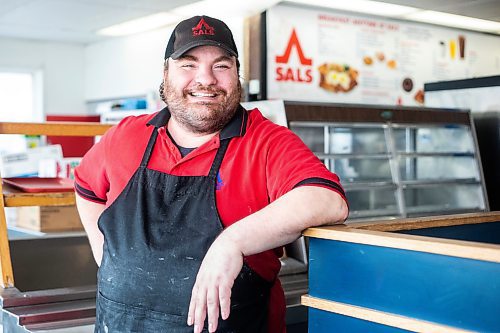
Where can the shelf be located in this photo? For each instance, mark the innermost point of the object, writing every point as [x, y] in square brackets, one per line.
[438, 182]
[436, 154]
[374, 214]
[440, 210]
[370, 218]
[369, 185]
[18, 233]
[16, 198]
[11, 197]
[353, 156]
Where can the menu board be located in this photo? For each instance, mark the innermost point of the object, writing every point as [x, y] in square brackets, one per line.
[322, 55]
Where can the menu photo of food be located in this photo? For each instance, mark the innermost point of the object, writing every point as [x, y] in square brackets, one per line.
[407, 84]
[369, 60]
[337, 78]
[419, 96]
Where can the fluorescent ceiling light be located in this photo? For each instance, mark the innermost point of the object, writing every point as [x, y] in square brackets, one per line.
[247, 8]
[205, 7]
[362, 6]
[140, 25]
[224, 8]
[457, 21]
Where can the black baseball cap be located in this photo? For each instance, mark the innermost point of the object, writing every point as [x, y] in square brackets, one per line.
[198, 31]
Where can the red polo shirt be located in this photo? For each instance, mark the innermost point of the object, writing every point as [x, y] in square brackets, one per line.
[263, 162]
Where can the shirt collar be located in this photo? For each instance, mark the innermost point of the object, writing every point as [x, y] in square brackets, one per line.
[236, 126]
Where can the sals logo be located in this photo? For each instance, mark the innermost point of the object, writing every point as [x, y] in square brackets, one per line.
[289, 73]
[202, 28]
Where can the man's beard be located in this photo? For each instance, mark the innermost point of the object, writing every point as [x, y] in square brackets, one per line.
[203, 117]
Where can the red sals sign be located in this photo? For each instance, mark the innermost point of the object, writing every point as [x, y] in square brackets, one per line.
[301, 73]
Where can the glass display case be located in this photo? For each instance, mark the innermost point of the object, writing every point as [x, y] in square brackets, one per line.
[396, 162]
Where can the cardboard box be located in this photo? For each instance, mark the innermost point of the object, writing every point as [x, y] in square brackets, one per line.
[49, 218]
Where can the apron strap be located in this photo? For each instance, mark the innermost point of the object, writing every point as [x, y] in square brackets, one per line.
[218, 158]
[149, 148]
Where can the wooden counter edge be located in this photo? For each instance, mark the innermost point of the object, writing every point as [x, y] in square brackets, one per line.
[442, 246]
[384, 318]
[427, 222]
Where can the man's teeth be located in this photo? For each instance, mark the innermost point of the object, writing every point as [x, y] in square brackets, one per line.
[197, 94]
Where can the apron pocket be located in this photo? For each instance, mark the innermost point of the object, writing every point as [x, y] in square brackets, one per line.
[116, 317]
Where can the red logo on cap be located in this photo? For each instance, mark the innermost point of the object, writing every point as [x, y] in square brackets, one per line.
[202, 28]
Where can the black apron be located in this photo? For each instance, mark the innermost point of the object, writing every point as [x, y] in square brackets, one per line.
[156, 234]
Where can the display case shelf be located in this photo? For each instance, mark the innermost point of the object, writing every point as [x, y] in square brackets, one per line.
[420, 210]
[367, 185]
[373, 213]
[438, 182]
[449, 154]
[352, 156]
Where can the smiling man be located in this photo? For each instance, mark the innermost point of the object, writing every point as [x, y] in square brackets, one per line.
[186, 210]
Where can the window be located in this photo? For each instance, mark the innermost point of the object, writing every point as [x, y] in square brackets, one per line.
[19, 102]
[16, 94]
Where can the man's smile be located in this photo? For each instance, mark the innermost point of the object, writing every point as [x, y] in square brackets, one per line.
[204, 96]
[199, 94]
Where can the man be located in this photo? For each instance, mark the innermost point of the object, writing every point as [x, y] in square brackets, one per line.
[186, 209]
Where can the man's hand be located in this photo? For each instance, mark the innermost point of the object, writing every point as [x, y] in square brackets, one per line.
[212, 289]
[279, 223]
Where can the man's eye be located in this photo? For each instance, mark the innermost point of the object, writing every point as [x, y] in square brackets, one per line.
[187, 66]
[222, 66]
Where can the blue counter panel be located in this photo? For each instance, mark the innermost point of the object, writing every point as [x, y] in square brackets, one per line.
[452, 291]
[480, 232]
[327, 322]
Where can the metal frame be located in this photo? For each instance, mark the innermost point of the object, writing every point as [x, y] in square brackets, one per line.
[47, 309]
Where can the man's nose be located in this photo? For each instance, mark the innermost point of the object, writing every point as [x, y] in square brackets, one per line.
[205, 76]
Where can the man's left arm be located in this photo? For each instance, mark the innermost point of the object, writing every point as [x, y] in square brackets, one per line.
[279, 223]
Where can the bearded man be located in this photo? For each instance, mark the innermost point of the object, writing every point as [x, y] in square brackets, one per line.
[187, 209]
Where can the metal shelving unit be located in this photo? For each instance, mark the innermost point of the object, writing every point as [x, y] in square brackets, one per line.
[58, 258]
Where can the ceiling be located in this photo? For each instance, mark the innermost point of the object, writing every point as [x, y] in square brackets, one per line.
[73, 20]
[78, 20]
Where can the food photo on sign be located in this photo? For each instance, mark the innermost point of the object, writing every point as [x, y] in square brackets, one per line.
[337, 78]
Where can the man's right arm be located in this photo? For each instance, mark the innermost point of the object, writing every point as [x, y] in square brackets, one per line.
[89, 214]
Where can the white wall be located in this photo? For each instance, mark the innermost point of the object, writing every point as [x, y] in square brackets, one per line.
[126, 66]
[62, 68]
[133, 65]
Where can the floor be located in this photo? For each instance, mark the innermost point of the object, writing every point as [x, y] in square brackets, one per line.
[90, 329]
[298, 328]
[80, 329]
